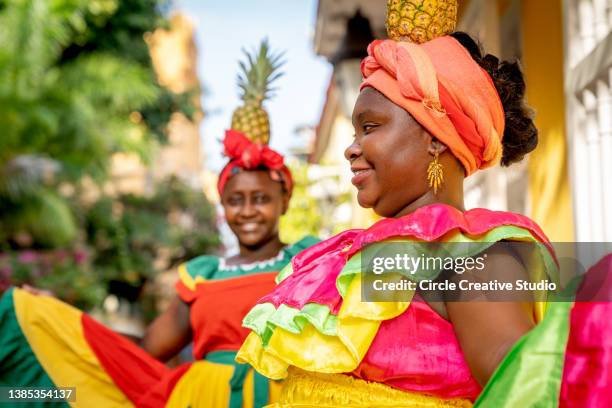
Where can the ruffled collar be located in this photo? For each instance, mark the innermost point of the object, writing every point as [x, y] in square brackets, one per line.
[428, 223]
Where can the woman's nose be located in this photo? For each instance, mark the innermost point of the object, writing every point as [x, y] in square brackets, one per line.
[353, 151]
[248, 209]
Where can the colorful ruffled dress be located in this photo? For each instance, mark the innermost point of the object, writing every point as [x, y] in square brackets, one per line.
[45, 343]
[333, 349]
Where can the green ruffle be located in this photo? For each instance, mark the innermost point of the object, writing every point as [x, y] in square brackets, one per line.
[530, 374]
[264, 318]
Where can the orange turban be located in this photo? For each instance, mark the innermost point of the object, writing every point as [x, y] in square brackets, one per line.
[446, 91]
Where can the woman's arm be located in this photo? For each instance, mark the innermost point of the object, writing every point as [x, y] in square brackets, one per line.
[486, 330]
[169, 333]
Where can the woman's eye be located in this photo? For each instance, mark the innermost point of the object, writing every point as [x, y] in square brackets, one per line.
[234, 201]
[261, 199]
[368, 127]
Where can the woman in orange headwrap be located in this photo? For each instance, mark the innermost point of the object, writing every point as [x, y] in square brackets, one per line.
[427, 117]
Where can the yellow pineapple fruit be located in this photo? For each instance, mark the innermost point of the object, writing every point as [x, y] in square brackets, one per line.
[420, 20]
[256, 75]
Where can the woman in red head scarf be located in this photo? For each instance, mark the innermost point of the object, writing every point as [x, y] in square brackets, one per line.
[382, 316]
[215, 293]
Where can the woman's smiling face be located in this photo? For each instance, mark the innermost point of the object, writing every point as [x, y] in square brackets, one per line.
[253, 205]
[389, 155]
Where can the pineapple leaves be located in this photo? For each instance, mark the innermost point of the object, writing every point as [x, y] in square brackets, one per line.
[258, 72]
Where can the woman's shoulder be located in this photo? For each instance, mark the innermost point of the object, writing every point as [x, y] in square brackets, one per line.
[193, 272]
[297, 247]
[203, 266]
[483, 218]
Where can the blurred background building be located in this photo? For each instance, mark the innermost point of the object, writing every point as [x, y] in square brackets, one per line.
[174, 57]
[588, 94]
[564, 48]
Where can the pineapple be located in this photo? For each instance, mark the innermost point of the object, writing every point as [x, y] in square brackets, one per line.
[255, 77]
[420, 20]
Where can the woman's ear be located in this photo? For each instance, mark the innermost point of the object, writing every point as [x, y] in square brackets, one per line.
[436, 146]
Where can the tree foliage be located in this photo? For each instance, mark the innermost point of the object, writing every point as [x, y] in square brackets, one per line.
[135, 237]
[77, 86]
[72, 115]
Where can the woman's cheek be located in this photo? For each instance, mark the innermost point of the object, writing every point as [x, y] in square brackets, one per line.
[267, 210]
[230, 214]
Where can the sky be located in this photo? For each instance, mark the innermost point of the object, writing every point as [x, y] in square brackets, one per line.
[223, 28]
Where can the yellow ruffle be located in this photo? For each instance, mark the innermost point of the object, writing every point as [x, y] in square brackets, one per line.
[310, 350]
[307, 389]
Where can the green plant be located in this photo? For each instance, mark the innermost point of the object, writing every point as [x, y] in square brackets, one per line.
[134, 238]
[77, 86]
[73, 114]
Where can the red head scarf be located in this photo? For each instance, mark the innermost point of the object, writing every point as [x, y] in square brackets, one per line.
[446, 91]
[246, 155]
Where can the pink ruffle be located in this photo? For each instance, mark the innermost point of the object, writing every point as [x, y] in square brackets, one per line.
[587, 372]
[314, 275]
[432, 222]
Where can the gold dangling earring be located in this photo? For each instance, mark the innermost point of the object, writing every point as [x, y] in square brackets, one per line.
[435, 174]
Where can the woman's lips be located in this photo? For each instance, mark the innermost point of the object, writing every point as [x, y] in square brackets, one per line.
[360, 175]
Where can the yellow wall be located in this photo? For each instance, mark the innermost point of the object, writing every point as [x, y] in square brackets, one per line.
[550, 194]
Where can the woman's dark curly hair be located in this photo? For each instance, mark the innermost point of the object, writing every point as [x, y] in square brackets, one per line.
[520, 134]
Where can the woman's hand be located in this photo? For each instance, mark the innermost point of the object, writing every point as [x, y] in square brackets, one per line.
[169, 333]
[487, 330]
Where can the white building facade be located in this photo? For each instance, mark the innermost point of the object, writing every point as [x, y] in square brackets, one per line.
[588, 88]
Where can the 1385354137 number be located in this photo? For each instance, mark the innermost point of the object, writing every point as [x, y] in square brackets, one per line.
[34, 394]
